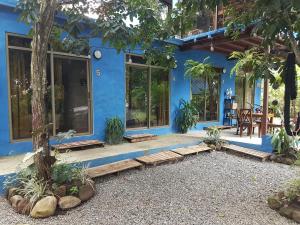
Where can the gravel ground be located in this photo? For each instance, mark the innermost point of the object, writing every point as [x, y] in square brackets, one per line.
[211, 188]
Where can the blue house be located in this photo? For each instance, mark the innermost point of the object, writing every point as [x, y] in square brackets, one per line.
[85, 90]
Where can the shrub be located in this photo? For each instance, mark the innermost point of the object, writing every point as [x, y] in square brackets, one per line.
[114, 131]
[32, 188]
[283, 143]
[62, 173]
[187, 116]
[213, 137]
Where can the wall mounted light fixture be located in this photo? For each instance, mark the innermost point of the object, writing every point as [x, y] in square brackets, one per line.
[97, 54]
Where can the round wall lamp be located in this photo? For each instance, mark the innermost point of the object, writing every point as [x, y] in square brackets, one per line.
[97, 54]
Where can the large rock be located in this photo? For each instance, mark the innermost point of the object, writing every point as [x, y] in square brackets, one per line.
[11, 192]
[68, 202]
[287, 211]
[44, 208]
[274, 202]
[296, 216]
[61, 191]
[86, 192]
[24, 206]
[14, 201]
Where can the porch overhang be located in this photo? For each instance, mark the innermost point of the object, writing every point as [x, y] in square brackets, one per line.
[218, 41]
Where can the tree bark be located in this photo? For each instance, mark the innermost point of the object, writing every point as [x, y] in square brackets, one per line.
[40, 136]
[295, 47]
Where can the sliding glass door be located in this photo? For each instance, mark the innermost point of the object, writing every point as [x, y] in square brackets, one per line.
[137, 98]
[67, 99]
[147, 94]
[71, 94]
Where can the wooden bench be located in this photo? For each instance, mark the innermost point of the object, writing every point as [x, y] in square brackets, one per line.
[247, 151]
[158, 158]
[79, 145]
[140, 137]
[192, 150]
[113, 168]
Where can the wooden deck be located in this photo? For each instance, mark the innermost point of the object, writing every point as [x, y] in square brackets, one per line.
[192, 150]
[221, 127]
[113, 168]
[140, 137]
[78, 145]
[247, 151]
[161, 157]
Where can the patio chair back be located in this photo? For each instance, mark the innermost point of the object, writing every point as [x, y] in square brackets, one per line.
[245, 120]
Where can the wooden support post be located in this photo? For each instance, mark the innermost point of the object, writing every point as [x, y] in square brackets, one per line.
[264, 121]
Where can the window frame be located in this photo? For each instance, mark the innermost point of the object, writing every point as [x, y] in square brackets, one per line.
[149, 67]
[52, 54]
[219, 100]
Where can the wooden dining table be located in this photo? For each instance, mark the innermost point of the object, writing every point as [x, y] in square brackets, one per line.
[258, 116]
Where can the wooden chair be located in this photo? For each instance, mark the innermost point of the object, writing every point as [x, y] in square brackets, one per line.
[246, 121]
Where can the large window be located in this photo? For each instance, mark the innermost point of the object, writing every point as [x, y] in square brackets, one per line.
[147, 94]
[68, 103]
[205, 97]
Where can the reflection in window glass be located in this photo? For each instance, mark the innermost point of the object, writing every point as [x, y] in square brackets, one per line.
[205, 97]
[159, 97]
[136, 97]
[71, 95]
[20, 93]
[147, 95]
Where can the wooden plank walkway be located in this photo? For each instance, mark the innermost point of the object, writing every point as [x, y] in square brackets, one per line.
[221, 127]
[78, 145]
[192, 150]
[140, 137]
[161, 157]
[113, 168]
[247, 151]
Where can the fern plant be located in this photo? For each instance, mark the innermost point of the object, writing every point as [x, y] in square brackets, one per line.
[114, 131]
[187, 116]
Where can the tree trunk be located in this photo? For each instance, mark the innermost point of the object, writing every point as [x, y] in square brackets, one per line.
[295, 47]
[40, 136]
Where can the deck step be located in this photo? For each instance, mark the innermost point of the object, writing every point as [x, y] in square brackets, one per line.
[161, 157]
[78, 145]
[113, 168]
[192, 150]
[140, 137]
[247, 151]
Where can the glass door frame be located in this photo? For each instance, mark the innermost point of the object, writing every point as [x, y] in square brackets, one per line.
[52, 54]
[149, 67]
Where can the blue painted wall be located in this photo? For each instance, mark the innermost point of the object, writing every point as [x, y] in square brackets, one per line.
[108, 90]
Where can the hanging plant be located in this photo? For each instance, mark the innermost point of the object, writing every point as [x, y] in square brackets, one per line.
[290, 92]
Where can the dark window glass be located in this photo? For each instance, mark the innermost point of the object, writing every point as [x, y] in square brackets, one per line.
[19, 41]
[135, 59]
[71, 95]
[136, 97]
[159, 97]
[20, 94]
[142, 111]
[205, 97]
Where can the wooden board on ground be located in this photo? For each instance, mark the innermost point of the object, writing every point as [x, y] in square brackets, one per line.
[219, 127]
[192, 150]
[113, 168]
[78, 145]
[139, 137]
[161, 157]
[247, 151]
